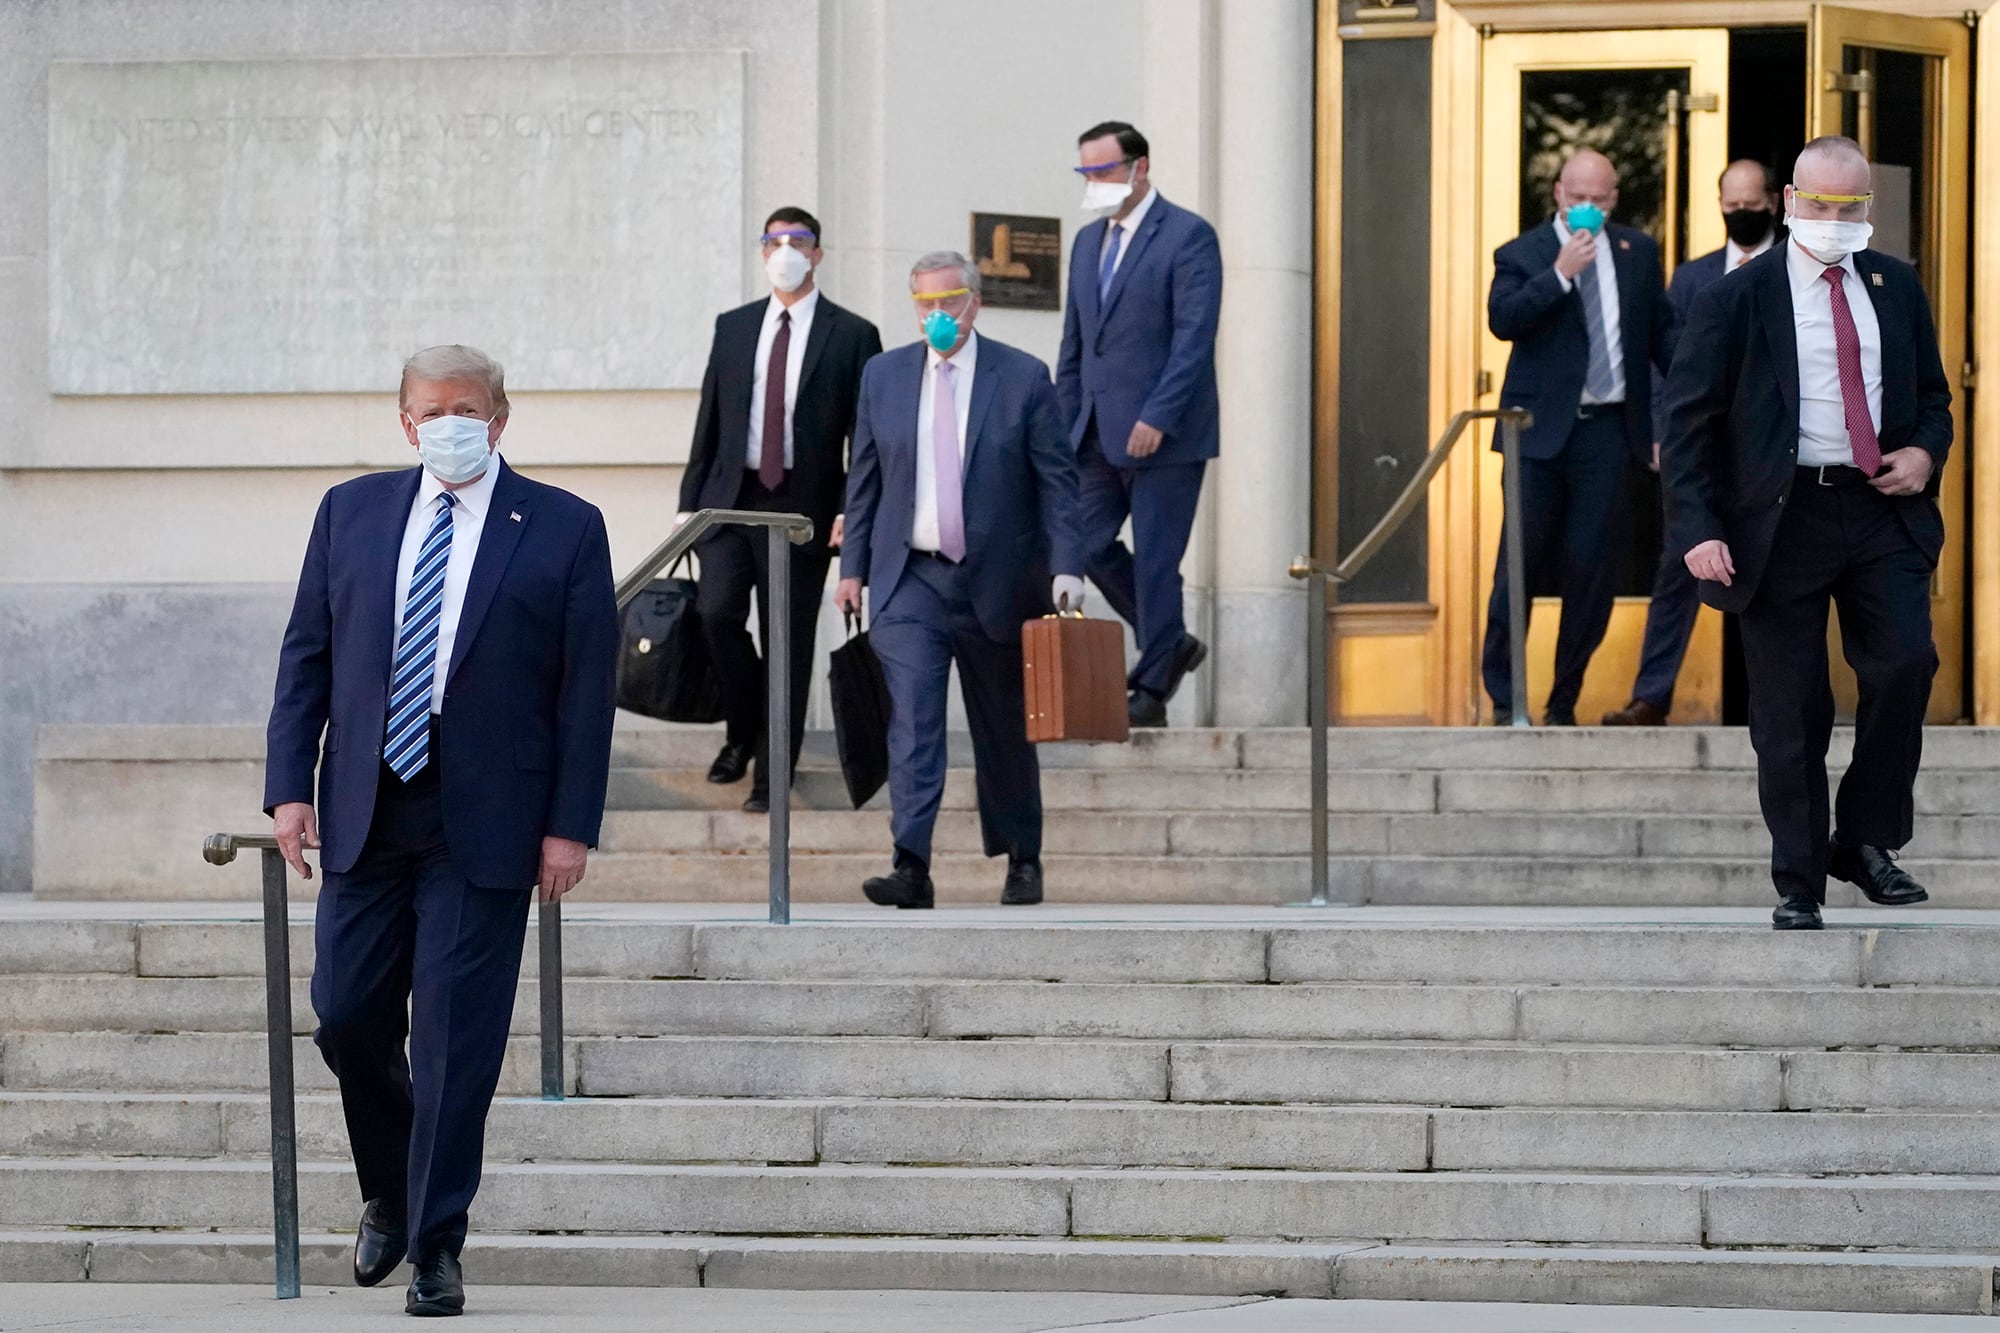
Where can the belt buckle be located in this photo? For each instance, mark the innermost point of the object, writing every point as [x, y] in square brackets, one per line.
[1822, 474]
[1583, 411]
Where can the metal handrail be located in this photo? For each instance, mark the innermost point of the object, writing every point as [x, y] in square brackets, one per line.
[1320, 576]
[220, 849]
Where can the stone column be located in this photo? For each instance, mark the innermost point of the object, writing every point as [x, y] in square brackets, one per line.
[1261, 488]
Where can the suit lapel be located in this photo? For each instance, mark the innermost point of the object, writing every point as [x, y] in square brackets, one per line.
[1774, 303]
[1893, 324]
[975, 416]
[822, 330]
[1134, 250]
[381, 543]
[497, 540]
[1622, 272]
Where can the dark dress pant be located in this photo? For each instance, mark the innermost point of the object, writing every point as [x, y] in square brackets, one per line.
[1847, 545]
[1670, 621]
[929, 625]
[1142, 585]
[406, 950]
[1569, 518]
[734, 563]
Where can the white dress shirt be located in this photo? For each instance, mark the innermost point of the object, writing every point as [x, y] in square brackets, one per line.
[468, 520]
[1822, 413]
[964, 362]
[1735, 256]
[1607, 296]
[1127, 230]
[795, 356]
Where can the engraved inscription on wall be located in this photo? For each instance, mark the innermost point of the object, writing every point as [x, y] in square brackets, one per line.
[301, 226]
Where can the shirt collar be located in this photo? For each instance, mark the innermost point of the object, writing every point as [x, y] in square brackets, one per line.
[475, 499]
[802, 309]
[1734, 254]
[964, 361]
[1806, 271]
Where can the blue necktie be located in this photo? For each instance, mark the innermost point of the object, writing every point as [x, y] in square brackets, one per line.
[1109, 264]
[407, 744]
[1602, 378]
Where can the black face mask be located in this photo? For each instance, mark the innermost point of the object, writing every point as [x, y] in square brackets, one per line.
[1748, 226]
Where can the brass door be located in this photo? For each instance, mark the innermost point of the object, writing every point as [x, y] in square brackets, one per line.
[1902, 87]
[1656, 102]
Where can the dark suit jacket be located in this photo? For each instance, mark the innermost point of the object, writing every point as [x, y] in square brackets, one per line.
[1023, 517]
[526, 726]
[1732, 439]
[1147, 352]
[1545, 372]
[839, 344]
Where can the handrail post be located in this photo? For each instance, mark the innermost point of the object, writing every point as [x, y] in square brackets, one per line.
[1316, 720]
[778, 721]
[1517, 572]
[284, 1126]
[549, 988]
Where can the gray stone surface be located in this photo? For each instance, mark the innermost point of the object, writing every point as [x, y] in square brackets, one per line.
[1929, 1213]
[1801, 1017]
[66, 946]
[729, 1008]
[1916, 1080]
[194, 1062]
[1606, 956]
[85, 1124]
[1068, 954]
[1193, 1013]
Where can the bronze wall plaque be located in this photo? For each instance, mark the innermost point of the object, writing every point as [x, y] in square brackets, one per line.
[1020, 260]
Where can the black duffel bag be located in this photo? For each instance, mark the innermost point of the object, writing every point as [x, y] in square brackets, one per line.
[860, 695]
[664, 669]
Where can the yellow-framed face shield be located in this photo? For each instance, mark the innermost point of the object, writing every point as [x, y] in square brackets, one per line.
[952, 301]
[1846, 207]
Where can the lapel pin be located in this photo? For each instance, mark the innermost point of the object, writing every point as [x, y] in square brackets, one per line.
[1624, 245]
[1875, 278]
[514, 514]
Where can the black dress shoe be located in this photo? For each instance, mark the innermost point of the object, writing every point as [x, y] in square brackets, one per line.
[1503, 717]
[1189, 654]
[1797, 914]
[1024, 884]
[438, 1288]
[757, 803]
[908, 885]
[378, 1244]
[1875, 872]
[731, 764]
[1638, 713]
[1559, 717]
[1143, 708]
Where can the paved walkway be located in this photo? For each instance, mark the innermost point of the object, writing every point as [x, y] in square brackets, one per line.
[118, 1308]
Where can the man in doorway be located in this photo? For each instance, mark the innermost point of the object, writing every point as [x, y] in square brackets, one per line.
[1749, 197]
[1136, 384]
[1581, 299]
[962, 519]
[777, 408]
[1808, 419]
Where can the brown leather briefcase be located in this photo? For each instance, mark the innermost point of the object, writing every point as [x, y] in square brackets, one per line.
[1074, 679]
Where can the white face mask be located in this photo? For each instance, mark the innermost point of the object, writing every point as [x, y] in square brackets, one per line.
[1105, 197]
[1829, 241]
[787, 268]
[453, 449]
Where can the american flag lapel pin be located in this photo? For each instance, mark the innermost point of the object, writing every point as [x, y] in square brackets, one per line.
[1875, 278]
[1624, 245]
[514, 514]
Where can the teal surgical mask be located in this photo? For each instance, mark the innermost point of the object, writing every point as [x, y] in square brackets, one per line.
[1585, 217]
[941, 330]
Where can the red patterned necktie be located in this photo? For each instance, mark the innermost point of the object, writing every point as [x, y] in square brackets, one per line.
[1853, 389]
[771, 458]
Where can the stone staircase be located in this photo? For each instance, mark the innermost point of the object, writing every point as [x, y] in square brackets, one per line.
[1346, 1106]
[1554, 817]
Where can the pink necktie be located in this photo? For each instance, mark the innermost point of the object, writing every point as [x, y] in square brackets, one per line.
[946, 466]
[1853, 389]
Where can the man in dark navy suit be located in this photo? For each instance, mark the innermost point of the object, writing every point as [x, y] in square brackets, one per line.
[1136, 384]
[777, 408]
[1580, 298]
[1808, 419]
[961, 501]
[448, 669]
[1749, 198]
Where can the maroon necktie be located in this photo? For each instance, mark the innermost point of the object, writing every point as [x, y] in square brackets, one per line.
[1853, 389]
[771, 458]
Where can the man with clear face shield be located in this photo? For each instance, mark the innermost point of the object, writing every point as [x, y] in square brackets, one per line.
[777, 410]
[1808, 415]
[962, 522]
[448, 671]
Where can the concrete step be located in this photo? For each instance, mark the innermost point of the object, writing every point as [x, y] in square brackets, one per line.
[1877, 1212]
[197, 1062]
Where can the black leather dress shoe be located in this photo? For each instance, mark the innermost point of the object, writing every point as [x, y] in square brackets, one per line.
[438, 1288]
[378, 1244]
[1559, 717]
[757, 803]
[1875, 872]
[1638, 713]
[908, 885]
[1024, 884]
[1797, 914]
[1189, 654]
[1503, 717]
[731, 764]
[1143, 708]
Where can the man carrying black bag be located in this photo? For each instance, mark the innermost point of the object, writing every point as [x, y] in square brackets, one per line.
[777, 409]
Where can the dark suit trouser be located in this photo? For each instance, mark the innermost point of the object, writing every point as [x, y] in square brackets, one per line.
[1569, 516]
[1142, 585]
[1670, 621]
[929, 625]
[1848, 545]
[405, 947]
[734, 563]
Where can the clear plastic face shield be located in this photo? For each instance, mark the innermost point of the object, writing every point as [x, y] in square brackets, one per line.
[943, 315]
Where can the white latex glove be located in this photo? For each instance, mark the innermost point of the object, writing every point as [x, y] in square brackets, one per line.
[1070, 586]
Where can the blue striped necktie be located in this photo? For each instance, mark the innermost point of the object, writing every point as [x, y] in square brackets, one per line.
[1604, 378]
[407, 745]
